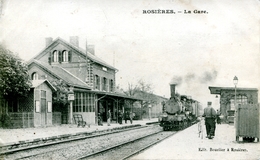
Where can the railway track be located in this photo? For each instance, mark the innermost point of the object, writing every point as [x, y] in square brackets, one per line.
[130, 148]
[43, 142]
[79, 146]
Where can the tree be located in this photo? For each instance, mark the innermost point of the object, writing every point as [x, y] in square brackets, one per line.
[59, 97]
[14, 78]
[141, 86]
[145, 87]
[131, 90]
[14, 83]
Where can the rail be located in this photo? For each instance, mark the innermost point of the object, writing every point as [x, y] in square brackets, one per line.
[41, 142]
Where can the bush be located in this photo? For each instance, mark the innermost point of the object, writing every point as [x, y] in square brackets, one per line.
[5, 121]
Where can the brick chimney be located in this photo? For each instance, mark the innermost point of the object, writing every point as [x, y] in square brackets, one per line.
[91, 49]
[48, 41]
[74, 40]
[172, 90]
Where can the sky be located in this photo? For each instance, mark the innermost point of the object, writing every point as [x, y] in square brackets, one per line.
[193, 50]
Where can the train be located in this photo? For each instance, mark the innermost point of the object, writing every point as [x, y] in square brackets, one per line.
[179, 112]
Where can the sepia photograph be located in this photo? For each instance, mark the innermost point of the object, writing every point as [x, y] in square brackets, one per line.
[137, 80]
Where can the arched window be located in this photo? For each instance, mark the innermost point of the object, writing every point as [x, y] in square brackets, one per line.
[65, 56]
[34, 76]
[55, 56]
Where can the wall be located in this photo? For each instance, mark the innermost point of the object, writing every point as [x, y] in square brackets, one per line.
[89, 117]
[37, 97]
[41, 73]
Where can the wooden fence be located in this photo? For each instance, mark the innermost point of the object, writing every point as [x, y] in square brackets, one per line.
[22, 120]
[247, 121]
[56, 118]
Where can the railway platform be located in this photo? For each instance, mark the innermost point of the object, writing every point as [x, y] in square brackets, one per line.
[187, 144]
[14, 136]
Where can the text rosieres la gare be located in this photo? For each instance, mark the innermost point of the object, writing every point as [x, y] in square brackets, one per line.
[170, 11]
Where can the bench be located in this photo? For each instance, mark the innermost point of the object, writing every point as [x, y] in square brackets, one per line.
[79, 120]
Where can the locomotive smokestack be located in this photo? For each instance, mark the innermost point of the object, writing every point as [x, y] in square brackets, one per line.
[172, 90]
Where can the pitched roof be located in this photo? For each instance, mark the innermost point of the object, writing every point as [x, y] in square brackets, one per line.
[62, 73]
[92, 57]
[36, 83]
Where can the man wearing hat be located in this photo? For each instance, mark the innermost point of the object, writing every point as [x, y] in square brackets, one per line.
[210, 116]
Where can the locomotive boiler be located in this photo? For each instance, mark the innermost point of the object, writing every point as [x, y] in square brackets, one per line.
[179, 112]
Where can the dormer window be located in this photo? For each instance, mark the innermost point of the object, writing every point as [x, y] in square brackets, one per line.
[34, 76]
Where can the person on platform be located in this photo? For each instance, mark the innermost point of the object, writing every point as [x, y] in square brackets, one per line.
[131, 116]
[218, 117]
[108, 117]
[126, 116]
[120, 117]
[100, 123]
[210, 120]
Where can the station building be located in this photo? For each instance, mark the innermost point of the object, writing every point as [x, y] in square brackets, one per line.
[227, 99]
[78, 72]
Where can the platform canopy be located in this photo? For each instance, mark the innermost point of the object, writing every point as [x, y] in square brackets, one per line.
[218, 90]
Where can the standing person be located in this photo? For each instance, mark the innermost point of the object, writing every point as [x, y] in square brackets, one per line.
[131, 116]
[108, 117]
[99, 120]
[218, 118]
[120, 117]
[125, 117]
[210, 115]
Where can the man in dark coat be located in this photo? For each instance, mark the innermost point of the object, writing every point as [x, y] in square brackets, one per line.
[210, 122]
[120, 117]
[100, 123]
[126, 116]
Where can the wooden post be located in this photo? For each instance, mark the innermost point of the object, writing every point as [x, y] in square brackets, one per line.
[71, 115]
[71, 98]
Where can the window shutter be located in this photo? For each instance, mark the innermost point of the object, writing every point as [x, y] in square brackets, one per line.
[69, 56]
[49, 58]
[60, 56]
[52, 57]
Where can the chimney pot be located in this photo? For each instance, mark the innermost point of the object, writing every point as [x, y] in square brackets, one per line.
[172, 89]
[74, 40]
[91, 49]
[48, 41]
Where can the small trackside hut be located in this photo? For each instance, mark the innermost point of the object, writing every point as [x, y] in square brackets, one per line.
[36, 109]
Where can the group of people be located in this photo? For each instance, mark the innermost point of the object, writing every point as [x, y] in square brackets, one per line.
[211, 117]
[126, 116]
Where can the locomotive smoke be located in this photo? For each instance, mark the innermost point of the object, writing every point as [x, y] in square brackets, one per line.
[208, 76]
[176, 80]
[193, 81]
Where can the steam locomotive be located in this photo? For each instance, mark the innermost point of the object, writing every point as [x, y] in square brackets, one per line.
[179, 112]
